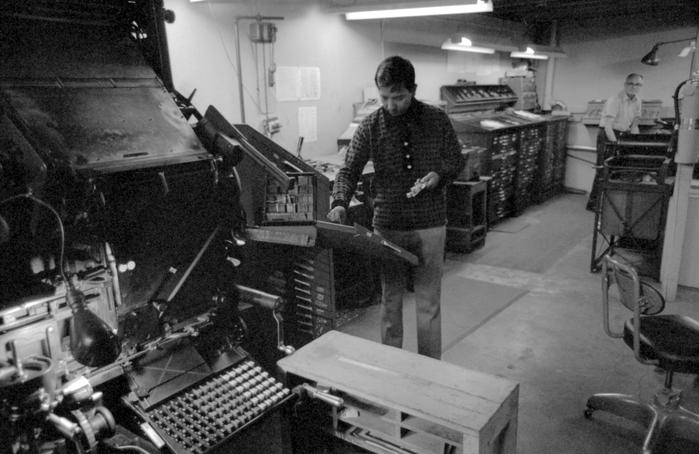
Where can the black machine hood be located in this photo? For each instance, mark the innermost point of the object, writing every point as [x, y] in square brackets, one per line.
[81, 85]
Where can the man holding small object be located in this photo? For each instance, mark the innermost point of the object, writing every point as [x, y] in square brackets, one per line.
[415, 153]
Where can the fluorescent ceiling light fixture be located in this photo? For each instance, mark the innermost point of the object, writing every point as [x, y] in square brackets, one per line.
[538, 51]
[413, 9]
[529, 54]
[465, 45]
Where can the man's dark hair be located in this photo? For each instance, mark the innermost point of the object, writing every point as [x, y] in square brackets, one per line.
[394, 72]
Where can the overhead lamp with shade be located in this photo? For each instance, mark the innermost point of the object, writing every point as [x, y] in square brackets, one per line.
[651, 58]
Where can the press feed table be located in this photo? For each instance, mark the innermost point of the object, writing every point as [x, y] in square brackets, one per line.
[631, 210]
[395, 401]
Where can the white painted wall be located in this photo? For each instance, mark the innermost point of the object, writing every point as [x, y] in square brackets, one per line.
[202, 51]
[596, 67]
[202, 43]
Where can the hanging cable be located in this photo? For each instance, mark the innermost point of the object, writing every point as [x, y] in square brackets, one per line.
[272, 66]
[676, 101]
[382, 49]
[62, 237]
[257, 18]
[254, 50]
[241, 86]
[264, 77]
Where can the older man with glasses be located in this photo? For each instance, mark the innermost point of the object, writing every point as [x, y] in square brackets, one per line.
[620, 115]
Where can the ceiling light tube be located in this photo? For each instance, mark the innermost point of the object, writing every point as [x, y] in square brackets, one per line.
[465, 45]
[424, 9]
[529, 54]
[520, 54]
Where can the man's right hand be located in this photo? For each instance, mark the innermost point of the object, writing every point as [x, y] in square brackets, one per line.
[337, 215]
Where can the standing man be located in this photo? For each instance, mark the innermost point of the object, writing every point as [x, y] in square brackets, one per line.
[620, 115]
[415, 153]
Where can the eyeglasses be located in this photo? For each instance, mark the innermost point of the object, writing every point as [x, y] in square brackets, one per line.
[631, 84]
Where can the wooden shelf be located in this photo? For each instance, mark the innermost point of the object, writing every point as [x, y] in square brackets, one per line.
[433, 429]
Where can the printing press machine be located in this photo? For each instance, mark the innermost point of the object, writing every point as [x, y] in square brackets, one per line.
[149, 254]
[122, 324]
[151, 258]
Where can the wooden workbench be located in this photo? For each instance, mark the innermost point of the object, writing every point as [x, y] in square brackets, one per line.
[400, 402]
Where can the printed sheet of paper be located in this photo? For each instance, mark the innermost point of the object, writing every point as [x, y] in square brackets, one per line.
[308, 123]
[286, 83]
[295, 83]
[309, 83]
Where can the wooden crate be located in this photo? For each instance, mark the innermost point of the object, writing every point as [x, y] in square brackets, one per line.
[398, 401]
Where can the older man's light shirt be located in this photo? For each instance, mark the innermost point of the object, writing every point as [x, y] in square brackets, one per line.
[620, 111]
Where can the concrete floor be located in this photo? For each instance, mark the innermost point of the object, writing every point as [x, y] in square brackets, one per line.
[550, 339]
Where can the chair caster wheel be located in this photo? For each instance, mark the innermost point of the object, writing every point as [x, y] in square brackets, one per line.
[588, 413]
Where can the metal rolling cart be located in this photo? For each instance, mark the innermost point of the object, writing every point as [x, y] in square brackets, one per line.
[631, 209]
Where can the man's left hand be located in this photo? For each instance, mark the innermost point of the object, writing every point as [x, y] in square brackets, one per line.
[431, 180]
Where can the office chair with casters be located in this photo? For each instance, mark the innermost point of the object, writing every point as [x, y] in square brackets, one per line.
[668, 341]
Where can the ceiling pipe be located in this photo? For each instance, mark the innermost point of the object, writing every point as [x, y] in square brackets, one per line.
[550, 67]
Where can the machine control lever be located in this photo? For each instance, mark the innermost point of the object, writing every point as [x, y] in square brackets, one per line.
[325, 396]
[271, 302]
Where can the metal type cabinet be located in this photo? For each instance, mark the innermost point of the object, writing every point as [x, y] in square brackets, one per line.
[525, 160]
[312, 294]
[503, 170]
[631, 210]
[552, 159]
[466, 215]
[298, 262]
[288, 262]
[530, 147]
